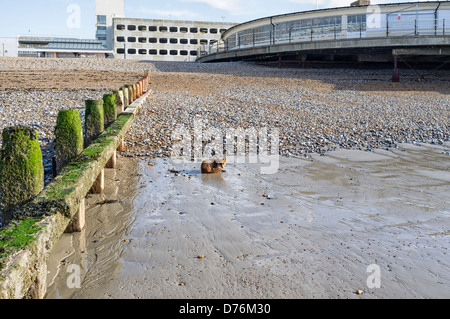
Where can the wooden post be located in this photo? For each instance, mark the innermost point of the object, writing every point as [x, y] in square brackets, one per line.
[99, 185]
[94, 120]
[112, 161]
[119, 102]
[121, 147]
[79, 220]
[21, 169]
[126, 100]
[68, 138]
[109, 109]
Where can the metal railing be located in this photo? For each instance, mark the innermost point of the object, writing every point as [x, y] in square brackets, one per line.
[274, 34]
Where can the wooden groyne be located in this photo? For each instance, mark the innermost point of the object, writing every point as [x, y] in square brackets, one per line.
[37, 223]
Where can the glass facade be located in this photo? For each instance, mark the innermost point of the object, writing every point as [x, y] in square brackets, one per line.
[287, 31]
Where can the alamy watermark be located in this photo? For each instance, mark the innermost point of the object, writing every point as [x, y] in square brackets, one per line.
[250, 145]
[74, 279]
[374, 279]
[373, 17]
[74, 19]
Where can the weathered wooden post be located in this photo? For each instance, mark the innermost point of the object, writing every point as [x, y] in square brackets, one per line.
[69, 144]
[68, 138]
[126, 99]
[119, 102]
[130, 93]
[99, 184]
[94, 126]
[94, 120]
[109, 108]
[139, 91]
[21, 169]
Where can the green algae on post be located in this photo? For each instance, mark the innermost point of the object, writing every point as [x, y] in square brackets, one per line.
[21, 168]
[68, 138]
[16, 237]
[94, 120]
[109, 108]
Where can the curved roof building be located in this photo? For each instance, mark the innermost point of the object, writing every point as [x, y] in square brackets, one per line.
[358, 33]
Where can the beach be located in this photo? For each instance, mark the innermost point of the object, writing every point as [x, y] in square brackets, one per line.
[358, 200]
[310, 231]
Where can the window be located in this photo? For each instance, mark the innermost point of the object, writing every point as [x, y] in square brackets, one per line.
[120, 39]
[184, 41]
[162, 40]
[142, 40]
[162, 52]
[131, 27]
[142, 51]
[356, 22]
[153, 52]
[203, 42]
[131, 51]
[120, 51]
[183, 52]
[194, 53]
[101, 31]
[162, 29]
[173, 29]
[194, 30]
[131, 39]
[173, 41]
[152, 28]
[173, 52]
[142, 28]
[152, 40]
[213, 31]
[184, 30]
[203, 30]
[101, 19]
[121, 27]
[194, 41]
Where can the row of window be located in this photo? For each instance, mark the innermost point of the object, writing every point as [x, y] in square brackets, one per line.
[131, 27]
[156, 52]
[165, 40]
[297, 29]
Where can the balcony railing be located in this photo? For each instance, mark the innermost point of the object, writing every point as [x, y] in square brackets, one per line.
[276, 34]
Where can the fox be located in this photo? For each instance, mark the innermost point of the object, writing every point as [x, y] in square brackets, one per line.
[213, 166]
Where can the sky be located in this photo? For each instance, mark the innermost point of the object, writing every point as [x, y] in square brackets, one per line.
[58, 17]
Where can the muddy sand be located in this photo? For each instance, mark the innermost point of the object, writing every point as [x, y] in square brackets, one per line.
[310, 231]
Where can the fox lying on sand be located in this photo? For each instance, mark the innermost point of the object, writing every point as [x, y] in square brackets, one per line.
[213, 166]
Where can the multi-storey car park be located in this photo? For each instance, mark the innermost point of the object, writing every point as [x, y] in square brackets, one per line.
[359, 33]
[164, 40]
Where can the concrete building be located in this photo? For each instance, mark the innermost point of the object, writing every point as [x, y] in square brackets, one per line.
[105, 12]
[164, 40]
[8, 47]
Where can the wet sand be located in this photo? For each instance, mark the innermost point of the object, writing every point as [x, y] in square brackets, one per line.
[309, 231]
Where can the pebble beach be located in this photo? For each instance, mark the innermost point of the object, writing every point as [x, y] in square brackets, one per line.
[363, 180]
[315, 110]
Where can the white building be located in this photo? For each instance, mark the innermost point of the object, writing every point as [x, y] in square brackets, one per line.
[164, 40]
[105, 12]
[8, 47]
